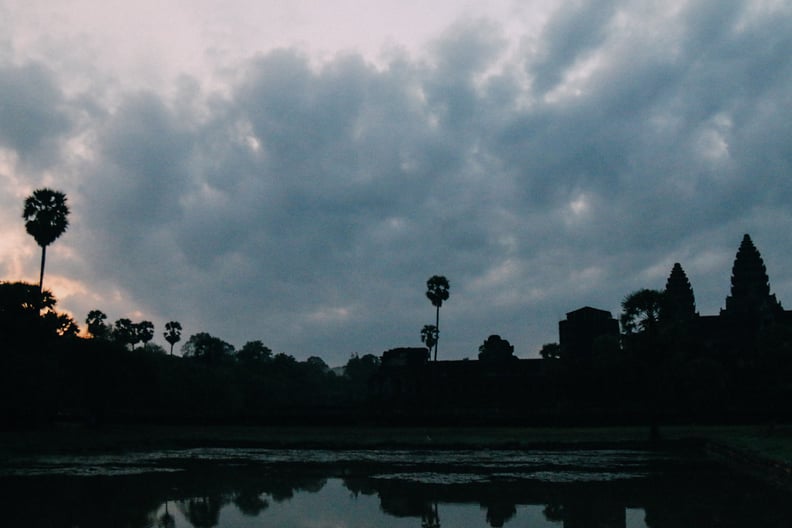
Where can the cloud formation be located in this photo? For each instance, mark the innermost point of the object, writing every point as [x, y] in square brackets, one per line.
[306, 202]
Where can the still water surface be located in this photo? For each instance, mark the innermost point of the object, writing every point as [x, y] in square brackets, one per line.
[235, 488]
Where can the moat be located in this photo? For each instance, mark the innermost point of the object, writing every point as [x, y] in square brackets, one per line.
[402, 488]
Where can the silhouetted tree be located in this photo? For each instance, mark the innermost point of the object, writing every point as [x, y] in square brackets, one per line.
[437, 291]
[499, 511]
[154, 348]
[96, 324]
[21, 306]
[250, 502]
[207, 348]
[172, 333]
[144, 332]
[20, 312]
[62, 324]
[429, 336]
[550, 351]
[641, 311]
[317, 363]
[495, 348]
[360, 370]
[283, 361]
[29, 341]
[640, 321]
[253, 352]
[554, 512]
[46, 218]
[21, 297]
[203, 512]
[124, 332]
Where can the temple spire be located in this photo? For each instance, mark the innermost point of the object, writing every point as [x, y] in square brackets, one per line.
[679, 303]
[750, 286]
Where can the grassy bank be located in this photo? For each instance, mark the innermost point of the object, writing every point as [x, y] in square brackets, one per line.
[119, 438]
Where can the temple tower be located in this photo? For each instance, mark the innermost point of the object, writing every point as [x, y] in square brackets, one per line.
[679, 302]
[750, 301]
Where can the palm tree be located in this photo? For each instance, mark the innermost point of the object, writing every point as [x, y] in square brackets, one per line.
[144, 331]
[124, 332]
[437, 292]
[46, 218]
[641, 311]
[172, 333]
[96, 324]
[429, 336]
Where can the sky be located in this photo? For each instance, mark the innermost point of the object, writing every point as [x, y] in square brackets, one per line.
[293, 172]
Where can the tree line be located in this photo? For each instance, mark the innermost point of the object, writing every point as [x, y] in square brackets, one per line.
[49, 372]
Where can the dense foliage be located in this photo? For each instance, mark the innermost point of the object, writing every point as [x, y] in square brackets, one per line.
[48, 373]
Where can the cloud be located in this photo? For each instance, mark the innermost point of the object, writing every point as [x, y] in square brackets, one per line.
[306, 202]
[32, 114]
[574, 31]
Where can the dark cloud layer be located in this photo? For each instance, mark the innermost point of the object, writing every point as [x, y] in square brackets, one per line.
[308, 205]
[32, 114]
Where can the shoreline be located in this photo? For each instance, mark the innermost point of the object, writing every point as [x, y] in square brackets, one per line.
[774, 443]
[119, 438]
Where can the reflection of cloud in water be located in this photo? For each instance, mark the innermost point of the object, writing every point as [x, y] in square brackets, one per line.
[433, 478]
[470, 465]
[485, 461]
[579, 476]
[540, 476]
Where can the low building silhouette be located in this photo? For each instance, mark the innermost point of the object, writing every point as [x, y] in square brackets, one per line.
[581, 328]
[409, 384]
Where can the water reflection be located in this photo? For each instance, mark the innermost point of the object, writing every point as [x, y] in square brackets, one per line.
[662, 492]
[165, 519]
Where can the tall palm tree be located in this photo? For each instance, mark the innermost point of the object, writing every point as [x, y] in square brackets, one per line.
[437, 291]
[46, 218]
[172, 333]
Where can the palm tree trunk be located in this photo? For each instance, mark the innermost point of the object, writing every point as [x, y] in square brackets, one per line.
[437, 327]
[41, 275]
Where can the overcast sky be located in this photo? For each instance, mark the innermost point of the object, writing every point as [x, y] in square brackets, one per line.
[295, 171]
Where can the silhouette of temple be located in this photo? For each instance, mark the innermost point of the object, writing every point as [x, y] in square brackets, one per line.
[680, 302]
[750, 307]
[580, 330]
[479, 390]
[750, 300]
[732, 362]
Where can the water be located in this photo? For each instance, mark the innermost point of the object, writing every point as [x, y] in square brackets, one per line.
[235, 488]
